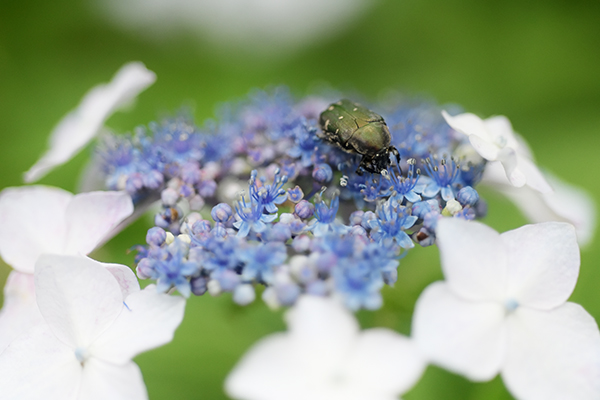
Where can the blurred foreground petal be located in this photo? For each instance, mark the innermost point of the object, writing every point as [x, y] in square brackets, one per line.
[80, 126]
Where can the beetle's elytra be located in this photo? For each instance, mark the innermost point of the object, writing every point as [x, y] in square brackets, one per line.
[358, 130]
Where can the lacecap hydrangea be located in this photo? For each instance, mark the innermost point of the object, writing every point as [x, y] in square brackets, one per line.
[259, 197]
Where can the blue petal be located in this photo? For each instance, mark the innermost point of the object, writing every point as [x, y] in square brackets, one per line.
[447, 193]
[409, 221]
[431, 190]
[404, 240]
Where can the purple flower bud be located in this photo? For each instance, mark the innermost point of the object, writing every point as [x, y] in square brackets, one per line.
[222, 212]
[322, 173]
[424, 237]
[304, 209]
[467, 196]
[207, 188]
[356, 217]
[202, 226]
[144, 269]
[198, 285]
[367, 216]
[156, 236]
[421, 208]
[357, 230]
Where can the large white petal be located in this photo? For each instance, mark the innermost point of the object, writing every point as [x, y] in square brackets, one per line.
[90, 217]
[20, 311]
[104, 381]
[468, 124]
[38, 366]
[77, 297]
[321, 328]
[533, 176]
[125, 278]
[543, 264]
[80, 126]
[385, 363]
[567, 203]
[574, 205]
[474, 259]
[510, 161]
[553, 355]
[462, 336]
[269, 371]
[148, 320]
[32, 222]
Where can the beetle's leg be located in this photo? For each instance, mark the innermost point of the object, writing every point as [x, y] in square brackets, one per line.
[369, 167]
[395, 152]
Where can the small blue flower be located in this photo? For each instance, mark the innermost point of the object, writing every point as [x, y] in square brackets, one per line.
[358, 284]
[405, 187]
[296, 194]
[173, 269]
[307, 142]
[391, 223]
[443, 177]
[262, 260]
[373, 188]
[268, 195]
[251, 217]
[325, 219]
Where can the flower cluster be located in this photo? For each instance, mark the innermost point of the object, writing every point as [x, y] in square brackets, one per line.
[263, 197]
[309, 220]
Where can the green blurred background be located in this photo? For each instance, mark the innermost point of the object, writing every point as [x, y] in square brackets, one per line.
[538, 63]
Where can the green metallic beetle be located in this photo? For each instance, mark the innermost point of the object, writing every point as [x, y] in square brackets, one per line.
[358, 130]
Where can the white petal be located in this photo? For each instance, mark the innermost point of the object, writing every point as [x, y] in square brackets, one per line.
[77, 297]
[485, 149]
[103, 381]
[20, 311]
[553, 355]
[566, 203]
[268, 371]
[321, 328]
[125, 278]
[474, 259]
[573, 205]
[534, 177]
[90, 217]
[543, 264]
[468, 124]
[38, 366]
[80, 126]
[384, 362]
[462, 336]
[31, 223]
[148, 320]
[510, 161]
[501, 131]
